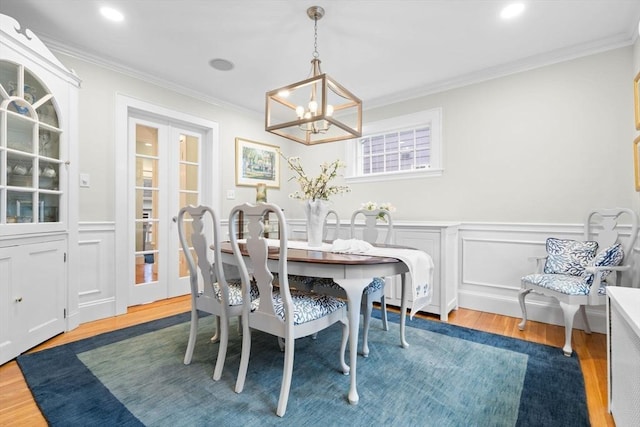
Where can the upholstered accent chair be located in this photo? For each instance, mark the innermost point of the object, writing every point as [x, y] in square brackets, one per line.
[375, 290]
[218, 296]
[286, 313]
[577, 273]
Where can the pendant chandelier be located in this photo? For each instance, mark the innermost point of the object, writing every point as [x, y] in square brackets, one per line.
[315, 110]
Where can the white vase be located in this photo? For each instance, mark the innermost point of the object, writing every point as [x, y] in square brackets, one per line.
[315, 211]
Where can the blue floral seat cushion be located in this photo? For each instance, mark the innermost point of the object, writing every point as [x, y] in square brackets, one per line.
[307, 307]
[317, 283]
[563, 283]
[568, 256]
[308, 283]
[295, 281]
[235, 293]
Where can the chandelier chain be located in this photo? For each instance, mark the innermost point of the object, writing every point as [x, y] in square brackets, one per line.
[315, 38]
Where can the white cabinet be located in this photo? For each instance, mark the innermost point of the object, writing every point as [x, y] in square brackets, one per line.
[440, 241]
[38, 206]
[623, 339]
[32, 294]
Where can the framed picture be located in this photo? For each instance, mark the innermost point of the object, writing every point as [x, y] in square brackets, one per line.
[636, 161]
[257, 163]
[636, 99]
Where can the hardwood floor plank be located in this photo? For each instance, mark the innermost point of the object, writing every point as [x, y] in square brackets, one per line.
[17, 407]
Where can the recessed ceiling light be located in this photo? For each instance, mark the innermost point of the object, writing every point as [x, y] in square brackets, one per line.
[221, 64]
[112, 14]
[512, 10]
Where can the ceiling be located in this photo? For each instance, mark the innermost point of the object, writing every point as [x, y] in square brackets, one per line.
[382, 51]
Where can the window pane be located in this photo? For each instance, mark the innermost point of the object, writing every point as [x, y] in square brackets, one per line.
[377, 144]
[377, 165]
[366, 146]
[392, 162]
[391, 142]
[366, 164]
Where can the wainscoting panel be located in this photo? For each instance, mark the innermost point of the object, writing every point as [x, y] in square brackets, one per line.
[97, 290]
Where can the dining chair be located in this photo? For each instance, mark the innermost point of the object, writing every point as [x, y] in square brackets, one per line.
[375, 290]
[331, 232]
[218, 296]
[286, 313]
[578, 273]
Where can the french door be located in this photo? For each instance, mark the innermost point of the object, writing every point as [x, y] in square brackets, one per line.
[165, 175]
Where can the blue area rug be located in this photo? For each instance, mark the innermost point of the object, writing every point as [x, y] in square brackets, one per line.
[449, 376]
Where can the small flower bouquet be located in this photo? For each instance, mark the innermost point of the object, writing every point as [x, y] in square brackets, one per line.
[372, 206]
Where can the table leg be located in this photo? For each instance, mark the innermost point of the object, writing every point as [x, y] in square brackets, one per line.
[403, 311]
[353, 288]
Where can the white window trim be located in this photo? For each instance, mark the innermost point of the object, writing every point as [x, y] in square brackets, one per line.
[432, 117]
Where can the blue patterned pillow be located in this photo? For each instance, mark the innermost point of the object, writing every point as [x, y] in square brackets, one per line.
[611, 256]
[568, 256]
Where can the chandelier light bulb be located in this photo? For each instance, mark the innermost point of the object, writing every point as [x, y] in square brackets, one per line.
[300, 111]
[329, 110]
[313, 107]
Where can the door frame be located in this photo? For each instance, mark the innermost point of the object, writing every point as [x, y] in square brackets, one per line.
[211, 179]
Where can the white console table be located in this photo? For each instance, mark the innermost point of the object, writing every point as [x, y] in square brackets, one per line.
[623, 355]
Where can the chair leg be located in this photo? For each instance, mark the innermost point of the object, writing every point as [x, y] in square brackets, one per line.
[343, 348]
[521, 296]
[244, 356]
[587, 328]
[287, 373]
[367, 307]
[193, 333]
[383, 309]
[569, 312]
[216, 337]
[223, 323]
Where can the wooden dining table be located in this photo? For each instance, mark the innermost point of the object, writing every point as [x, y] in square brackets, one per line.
[353, 272]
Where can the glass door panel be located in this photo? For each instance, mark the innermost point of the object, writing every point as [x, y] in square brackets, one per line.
[147, 195]
[189, 189]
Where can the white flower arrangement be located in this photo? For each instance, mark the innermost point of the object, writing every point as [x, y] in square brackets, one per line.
[372, 206]
[317, 188]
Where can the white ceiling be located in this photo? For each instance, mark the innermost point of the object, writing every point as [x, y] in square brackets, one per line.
[380, 50]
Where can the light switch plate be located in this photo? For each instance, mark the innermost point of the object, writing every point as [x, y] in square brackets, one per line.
[231, 194]
[85, 180]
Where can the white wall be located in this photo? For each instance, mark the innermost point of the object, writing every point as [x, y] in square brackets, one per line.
[544, 145]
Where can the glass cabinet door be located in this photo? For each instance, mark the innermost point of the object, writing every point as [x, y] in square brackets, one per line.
[30, 163]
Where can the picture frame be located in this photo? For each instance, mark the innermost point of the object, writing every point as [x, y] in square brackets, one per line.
[257, 163]
[636, 99]
[636, 162]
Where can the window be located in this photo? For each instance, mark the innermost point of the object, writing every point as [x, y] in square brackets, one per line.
[402, 147]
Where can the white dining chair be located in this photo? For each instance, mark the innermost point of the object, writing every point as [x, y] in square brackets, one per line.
[217, 296]
[286, 313]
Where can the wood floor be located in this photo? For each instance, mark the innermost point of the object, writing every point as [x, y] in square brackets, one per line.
[17, 407]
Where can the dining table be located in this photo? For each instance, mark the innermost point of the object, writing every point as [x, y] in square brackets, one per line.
[353, 272]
